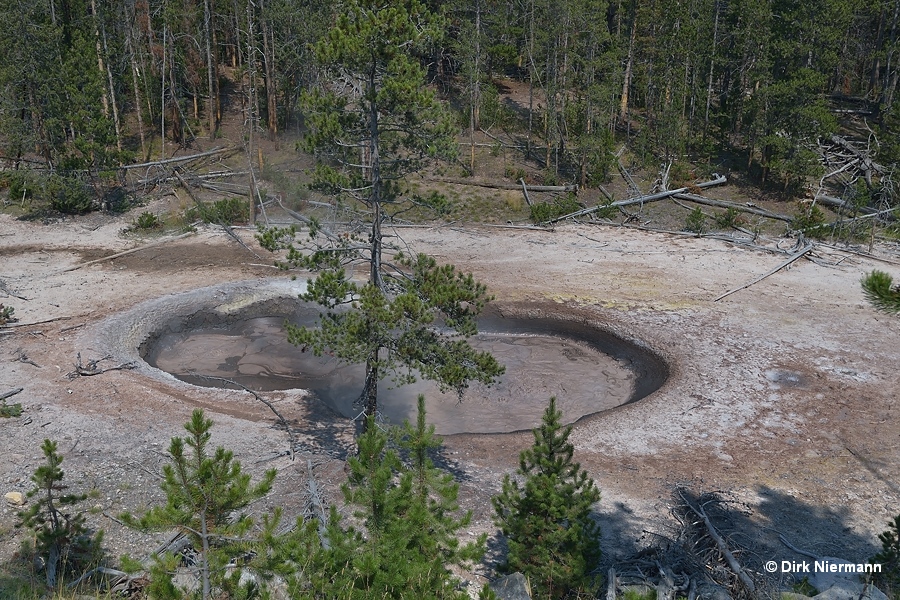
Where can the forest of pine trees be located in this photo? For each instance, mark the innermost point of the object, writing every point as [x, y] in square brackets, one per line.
[86, 85]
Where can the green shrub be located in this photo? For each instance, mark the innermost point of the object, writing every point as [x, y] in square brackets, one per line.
[545, 211]
[6, 314]
[809, 221]
[227, 211]
[21, 185]
[67, 195]
[607, 211]
[889, 558]
[729, 219]
[10, 410]
[695, 221]
[545, 514]
[436, 201]
[514, 173]
[62, 538]
[146, 220]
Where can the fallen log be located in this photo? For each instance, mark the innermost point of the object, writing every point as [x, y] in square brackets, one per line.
[10, 394]
[832, 202]
[743, 208]
[177, 159]
[93, 368]
[501, 185]
[789, 261]
[641, 199]
[525, 192]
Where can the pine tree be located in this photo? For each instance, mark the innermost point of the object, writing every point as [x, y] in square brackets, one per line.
[62, 537]
[382, 124]
[880, 290]
[203, 491]
[407, 537]
[889, 557]
[547, 518]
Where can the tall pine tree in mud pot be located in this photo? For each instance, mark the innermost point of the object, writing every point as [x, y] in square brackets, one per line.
[547, 517]
[371, 123]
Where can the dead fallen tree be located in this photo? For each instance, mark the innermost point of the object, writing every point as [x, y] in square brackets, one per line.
[719, 180]
[794, 257]
[734, 206]
[178, 159]
[502, 185]
[93, 367]
[695, 555]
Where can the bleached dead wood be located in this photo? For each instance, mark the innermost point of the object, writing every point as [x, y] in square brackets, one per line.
[832, 202]
[611, 584]
[525, 192]
[739, 207]
[866, 164]
[720, 543]
[317, 506]
[10, 393]
[93, 367]
[789, 261]
[640, 200]
[177, 159]
[502, 185]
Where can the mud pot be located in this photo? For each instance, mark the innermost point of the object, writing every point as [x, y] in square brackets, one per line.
[587, 368]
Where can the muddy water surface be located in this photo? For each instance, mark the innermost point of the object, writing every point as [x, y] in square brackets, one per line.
[255, 352]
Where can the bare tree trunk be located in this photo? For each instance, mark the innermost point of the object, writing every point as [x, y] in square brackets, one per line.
[251, 109]
[269, 64]
[712, 63]
[100, 66]
[623, 104]
[162, 111]
[211, 74]
[135, 80]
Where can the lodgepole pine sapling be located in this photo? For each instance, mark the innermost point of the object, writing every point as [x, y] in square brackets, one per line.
[546, 518]
[203, 491]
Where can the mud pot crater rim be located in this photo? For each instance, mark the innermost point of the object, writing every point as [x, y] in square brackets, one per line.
[234, 331]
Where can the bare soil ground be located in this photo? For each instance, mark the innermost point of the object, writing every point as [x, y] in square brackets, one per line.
[784, 393]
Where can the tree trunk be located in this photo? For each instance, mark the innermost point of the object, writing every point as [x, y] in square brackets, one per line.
[623, 104]
[204, 555]
[269, 54]
[712, 63]
[211, 74]
[135, 80]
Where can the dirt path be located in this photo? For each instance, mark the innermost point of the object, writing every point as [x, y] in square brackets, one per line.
[785, 393]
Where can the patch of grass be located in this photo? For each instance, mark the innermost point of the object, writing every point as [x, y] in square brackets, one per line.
[804, 587]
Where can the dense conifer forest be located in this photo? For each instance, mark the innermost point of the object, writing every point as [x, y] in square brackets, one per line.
[87, 85]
